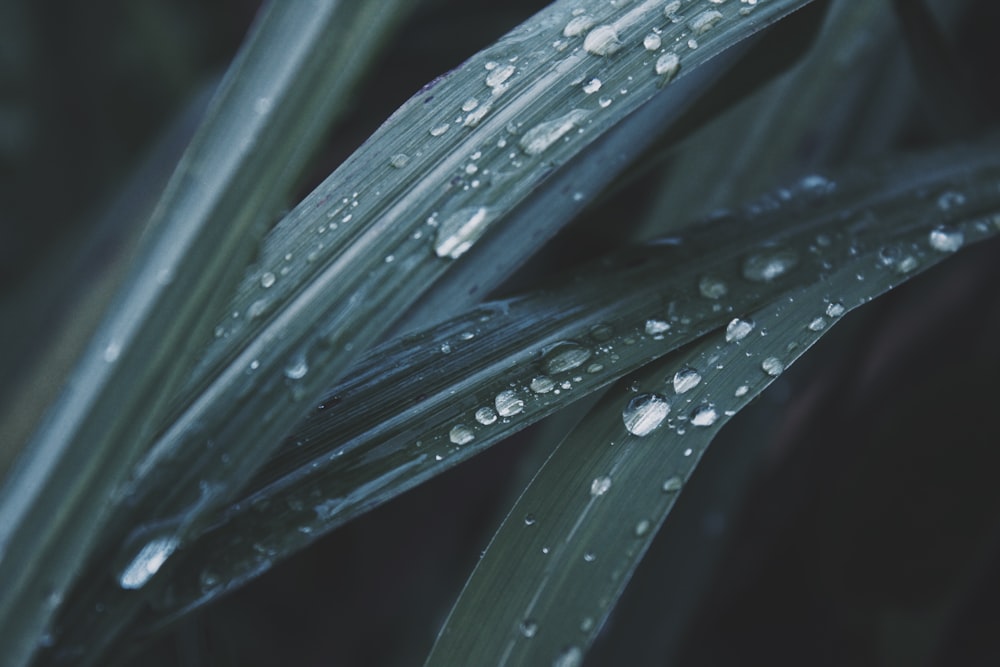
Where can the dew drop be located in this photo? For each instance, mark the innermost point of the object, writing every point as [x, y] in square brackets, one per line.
[641, 528]
[601, 332]
[600, 486]
[267, 279]
[529, 519]
[498, 76]
[946, 239]
[528, 628]
[741, 390]
[686, 379]
[461, 434]
[950, 199]
[508, 403]
[147, 562]
[438, 130]
[570, 657]
[589, 557]
[604, 102]
[712, 287]
[399, 160]
[818, 324]
[667, 65]
[765, 266]
[644, 413]
[652, 41]
[738, 329]
[654, 326]
[542, 136]
[592, 86]
[112, 351]
[460, 230]
[297, 367]
[673, 484]
[564, 356]
[577, 26]
[704, 415]
[542, 384]
[486, 415]
[602, 41]
[835, 309]
[671, 8]
[772, 366]
[705, 21]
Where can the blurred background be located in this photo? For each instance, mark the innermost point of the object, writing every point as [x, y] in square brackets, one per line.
[849, 517]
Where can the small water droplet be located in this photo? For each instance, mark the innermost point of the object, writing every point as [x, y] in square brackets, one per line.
[542, 136]
[602, 41]
[147, 562]
[399, 160]
[267, 279]
[604, 102]
[461, 434]
[564, 356]
[705, 21]
[652, 41]
[673, 484]
[542, 384]
[528, 628]
[438, 130]
[686, 379]
[112, 351]
[770, 264]
[529, 520]
[445, 348]
[486, 415]
[907, 264]
[644, 413]
[595, 368]
[654, 326]
[772, 366]
[600, 486]
[712, 287]
[950, 199]
[297, 367]
[741, 390]
[667, 65]
[641, 528]
[460, 230]
[818, 324]
[946, 239]
[592, 86]
[589, 557]
[577, 26]
[704, 415]
[570, 657]
[508, 403]
[835, 309]
[498, 77]
[738, 329]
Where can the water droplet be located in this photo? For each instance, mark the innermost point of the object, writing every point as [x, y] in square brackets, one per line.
[818, 324]
[438, 130]
[460, 230]
[673, 484]
[592, 86]
[529, 520]
[907, 264]
[470, 104]
[461, 434]
[604, 102]
[644, 413]
[589, 557]
[835, 309]
[738, 329]
[564, 356]
[652, 41]
[817, 184]
[772, 366]
[486, 415]
[712, 287]
[498, 76]
[741, 390]
[686, 379]
[267, 279]
[705, 21]
[112, 351]
[529, 628]
[602, 41]
[542, 136]
[946, 239]
[704, 415]
[508, 403]
[667, 65]
[671, 8]
[950, 199]
[147, 562]
[445, 348]
[542, 384]
[641, 528]
[600, 486]
[654, 326]
[208, 581]
[770, 264]
[595, 368]
[399, 160]
[601, 332]
[577, 26]
[570, 657]
[297, 367]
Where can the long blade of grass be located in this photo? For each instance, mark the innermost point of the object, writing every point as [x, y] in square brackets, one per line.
[561, 559]
[470, 382]
[270, 110]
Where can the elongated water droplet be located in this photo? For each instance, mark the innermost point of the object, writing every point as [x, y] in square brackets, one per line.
[542, 136]
[772, 366]
[738, 329]
[542, 384]
[667, 66]
[644, 413]
[577, 26]
[460, 230]
[438, 130]
[705, 21]
[686, 379]
[835, 309]
[945, 239]
[741, 390]
[818, 324]
[147, 562]
[673, 484]
[768, 265]
[600, 486]
[642, 527]
[461, 434]
[499, 76]
[602, 41]
[712, 287]
[486, 415]
[704, 415]
[564, 356]
[508, 403]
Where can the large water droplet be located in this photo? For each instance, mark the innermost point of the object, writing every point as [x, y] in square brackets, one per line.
[712, 287]
[738, 329]
[592, 86]
[508, 403]
[686, 379]
[542, 384]
[147, 562]
[600, 486]
[539, 138]
[602, 41]
[946, 239]
[564, 356]
[652, 41]
[460, 230]
[704, 415]
[770, 264]
[486, 415]
[644, 413]
[461, 434]
[577, 26]
[667, 66]
[772, 366]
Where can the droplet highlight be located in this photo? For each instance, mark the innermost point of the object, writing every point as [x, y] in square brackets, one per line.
[644, 413]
